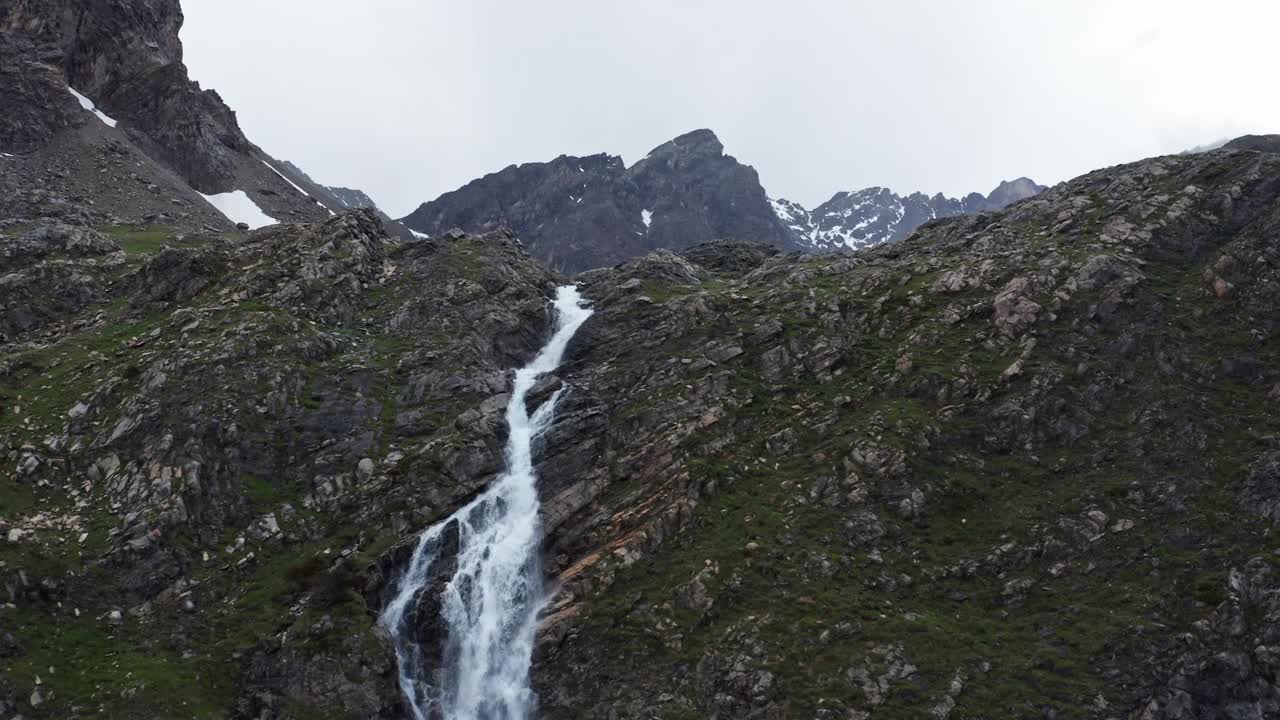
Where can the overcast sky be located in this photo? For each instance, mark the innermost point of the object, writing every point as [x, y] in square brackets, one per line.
[407, 99]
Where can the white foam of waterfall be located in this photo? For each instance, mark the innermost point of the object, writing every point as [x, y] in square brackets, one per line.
[491, 604]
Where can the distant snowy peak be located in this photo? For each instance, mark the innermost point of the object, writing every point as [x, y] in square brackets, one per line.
[790, 213]
[798, 220]
[869, 217]
[849, 220]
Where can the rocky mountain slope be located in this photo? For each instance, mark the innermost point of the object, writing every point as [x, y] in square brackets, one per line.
[340, 198]
[1261, 143]
[101, 117]
[870, 217]
[583, 213]
[352, 199]
[580, 213]
[1020, 464]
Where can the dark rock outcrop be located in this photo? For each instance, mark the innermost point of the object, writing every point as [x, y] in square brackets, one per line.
[53, 238]
[126, 59]
[581, 213]
[728, 256]
[34, 96]
[1260, 143]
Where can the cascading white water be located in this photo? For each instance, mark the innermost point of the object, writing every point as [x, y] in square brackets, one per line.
[491, 604]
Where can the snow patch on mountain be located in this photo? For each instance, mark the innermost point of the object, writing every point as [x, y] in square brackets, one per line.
[798, 220]
[240, 208]
[88, 104]
[786, 210]
[872, 216]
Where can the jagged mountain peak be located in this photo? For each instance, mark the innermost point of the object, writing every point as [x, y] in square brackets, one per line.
[1011, 191]
[577, 213]
[584, 212]
[701, 143]
[584, 163]
[856, 219]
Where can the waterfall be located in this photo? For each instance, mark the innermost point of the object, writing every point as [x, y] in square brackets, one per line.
[491, 603]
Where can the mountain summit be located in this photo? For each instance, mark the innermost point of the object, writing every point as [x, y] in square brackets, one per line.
[581, 213]
[576, 213]
[865, 218]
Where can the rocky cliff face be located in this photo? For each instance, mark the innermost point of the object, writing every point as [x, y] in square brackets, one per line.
[870, 217]
[143, 141]
[1261, 143]
[1021, 464]
[581, 213]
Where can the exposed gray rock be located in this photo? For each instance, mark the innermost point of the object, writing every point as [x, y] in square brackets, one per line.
[1259, 143]
[581, 213]
[53, 239]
